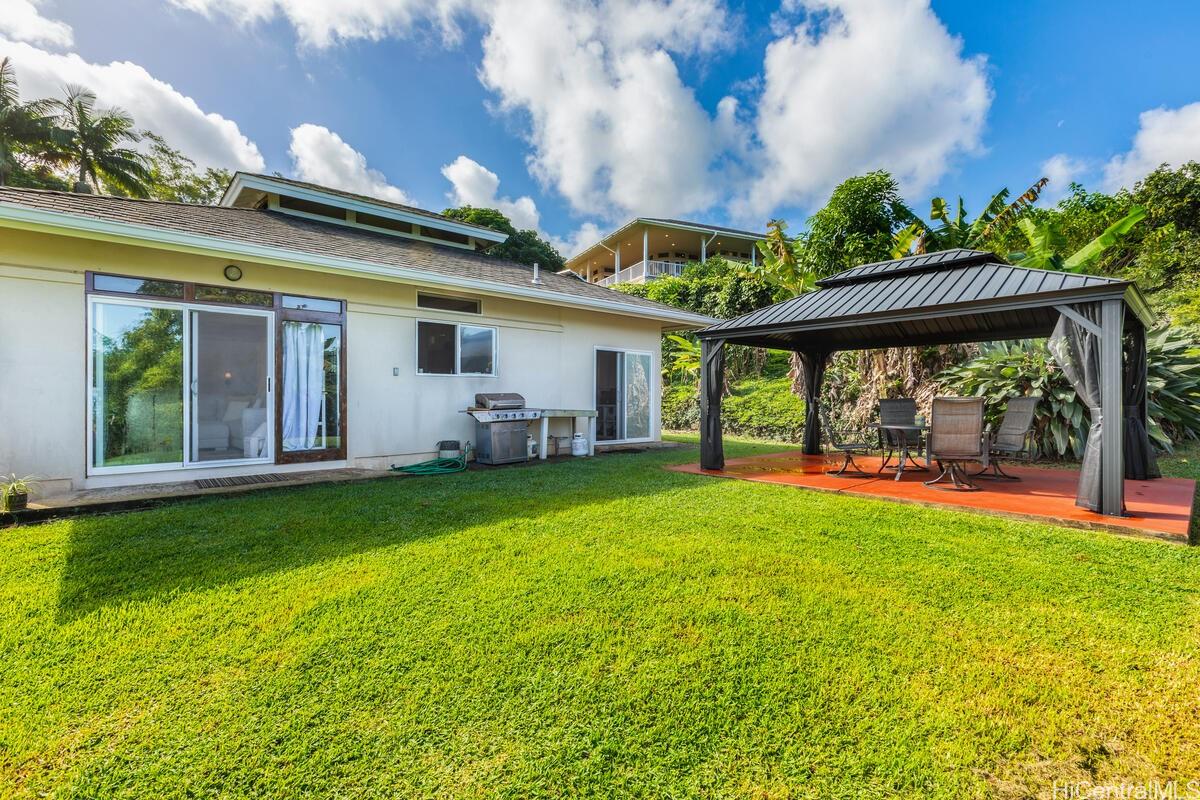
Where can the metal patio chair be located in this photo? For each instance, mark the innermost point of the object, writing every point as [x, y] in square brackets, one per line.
[900, 411]
[956, 437]
[849, 448]
[1013, 440]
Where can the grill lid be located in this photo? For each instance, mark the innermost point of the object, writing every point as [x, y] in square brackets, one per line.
[498, 400]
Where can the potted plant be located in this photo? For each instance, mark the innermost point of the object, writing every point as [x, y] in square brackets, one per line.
[14, 492]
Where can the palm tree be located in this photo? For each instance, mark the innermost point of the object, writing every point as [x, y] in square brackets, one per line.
[95, 152]
[24, 127]
[960, 231]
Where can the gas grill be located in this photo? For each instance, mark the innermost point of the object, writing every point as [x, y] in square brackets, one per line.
[501, 427]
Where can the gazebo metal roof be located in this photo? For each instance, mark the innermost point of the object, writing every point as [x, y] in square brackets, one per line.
[936, 298]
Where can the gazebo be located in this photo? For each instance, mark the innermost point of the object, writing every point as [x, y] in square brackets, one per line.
[1096, 328]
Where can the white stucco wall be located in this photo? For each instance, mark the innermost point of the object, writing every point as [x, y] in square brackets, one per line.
[545, 352]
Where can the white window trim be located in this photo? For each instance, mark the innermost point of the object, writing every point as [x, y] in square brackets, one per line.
[187, 463]
[458, 373]
[655, 397]
[445, 296]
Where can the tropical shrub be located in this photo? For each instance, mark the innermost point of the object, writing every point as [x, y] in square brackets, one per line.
[1007, 369]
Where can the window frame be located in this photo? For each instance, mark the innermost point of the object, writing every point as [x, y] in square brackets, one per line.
[458, 373]
[281, 315]
[478, 303]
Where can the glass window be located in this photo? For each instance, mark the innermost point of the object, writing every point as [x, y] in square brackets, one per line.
[312, 304]
[463, 305]
[239, 297]
[476, 347]
[312, 400]
[116, 283]
[435, 348]
[137, 385]
[637, 395]
[309, 207]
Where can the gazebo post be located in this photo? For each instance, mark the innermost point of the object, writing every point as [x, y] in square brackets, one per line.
[712, 383]
[1112, 456]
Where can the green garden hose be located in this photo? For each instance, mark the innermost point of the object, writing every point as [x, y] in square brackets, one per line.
[437, 466]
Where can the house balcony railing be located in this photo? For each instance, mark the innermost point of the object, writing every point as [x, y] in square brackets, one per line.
[644, 271]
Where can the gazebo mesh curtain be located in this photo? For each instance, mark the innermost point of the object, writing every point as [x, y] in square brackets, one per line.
[1140, 461]
[1076, 350]
[813, 362]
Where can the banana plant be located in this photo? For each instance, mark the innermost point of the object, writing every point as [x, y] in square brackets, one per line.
[957, 229]
[1046, 244]
[684, 357]
[782, 264]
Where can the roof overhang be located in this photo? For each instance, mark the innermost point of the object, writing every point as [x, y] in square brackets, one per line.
[244, 184]
[80, 226]
[603, 243]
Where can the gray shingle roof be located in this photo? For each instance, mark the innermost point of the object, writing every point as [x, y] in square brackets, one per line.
[297, 234]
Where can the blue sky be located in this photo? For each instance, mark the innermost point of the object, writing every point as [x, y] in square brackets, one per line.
[573, 116]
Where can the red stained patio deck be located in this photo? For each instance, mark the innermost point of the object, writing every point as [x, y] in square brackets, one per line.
[1161, 508]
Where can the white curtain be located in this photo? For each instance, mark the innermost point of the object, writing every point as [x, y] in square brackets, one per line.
[303, 383]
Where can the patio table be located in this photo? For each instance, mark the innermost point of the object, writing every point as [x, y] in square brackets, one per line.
[905, 452]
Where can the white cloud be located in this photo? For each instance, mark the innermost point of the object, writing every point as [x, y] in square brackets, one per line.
[612, 126]
[22, 22]
[208, 138]
[476, 185]
[321, 156]
[1062, 170]
[859, 85]
[573, 243]
[322, 23]
[1165, 135]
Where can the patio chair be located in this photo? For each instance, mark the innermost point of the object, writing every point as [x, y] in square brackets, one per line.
[899, 411]
[1013, 440]
[849, 448]
[956, 437]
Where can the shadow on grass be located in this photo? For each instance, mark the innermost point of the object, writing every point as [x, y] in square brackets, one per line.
[142, 555]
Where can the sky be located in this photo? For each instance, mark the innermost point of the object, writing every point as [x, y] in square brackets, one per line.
[573, 116]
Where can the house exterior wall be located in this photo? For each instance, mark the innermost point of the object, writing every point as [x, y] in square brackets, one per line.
[545, 352]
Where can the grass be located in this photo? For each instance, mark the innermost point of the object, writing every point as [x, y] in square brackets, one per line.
[599, 627]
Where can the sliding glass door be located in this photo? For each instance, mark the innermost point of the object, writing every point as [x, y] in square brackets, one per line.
[174, 385]
[231, 356]
[137, 402]
[624, 395]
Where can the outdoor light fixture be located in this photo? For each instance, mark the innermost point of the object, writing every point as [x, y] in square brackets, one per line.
[233, 272]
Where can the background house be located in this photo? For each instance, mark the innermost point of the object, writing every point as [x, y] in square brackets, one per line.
[646, 248]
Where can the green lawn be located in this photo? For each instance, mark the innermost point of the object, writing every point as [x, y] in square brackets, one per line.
[599, 627]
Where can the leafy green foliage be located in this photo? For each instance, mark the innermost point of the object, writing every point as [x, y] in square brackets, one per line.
[174, 176]
[27, 133]
[1011, 369]
[1015, 369]
[764, 408]
[855, 227]
[524, 247]
[684, 363]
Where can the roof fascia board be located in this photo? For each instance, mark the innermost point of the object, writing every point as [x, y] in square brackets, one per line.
[1049, 299]
[242, 181]
[38, 220]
